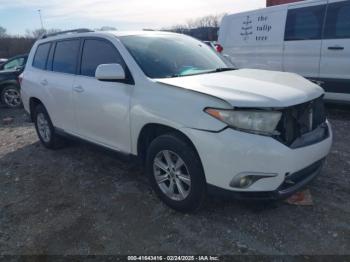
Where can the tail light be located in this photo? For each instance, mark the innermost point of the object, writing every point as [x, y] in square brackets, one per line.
[219, 48]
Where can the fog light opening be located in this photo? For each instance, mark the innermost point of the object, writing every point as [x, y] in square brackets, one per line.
[245, 180]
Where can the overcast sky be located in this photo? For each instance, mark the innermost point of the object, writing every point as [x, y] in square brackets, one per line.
[18, 15]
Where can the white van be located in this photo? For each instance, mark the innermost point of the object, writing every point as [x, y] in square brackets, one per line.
[311, 38]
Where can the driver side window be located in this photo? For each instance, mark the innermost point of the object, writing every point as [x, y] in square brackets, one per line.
[97, 52]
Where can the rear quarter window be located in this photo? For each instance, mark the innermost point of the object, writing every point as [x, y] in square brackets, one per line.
[40, 56]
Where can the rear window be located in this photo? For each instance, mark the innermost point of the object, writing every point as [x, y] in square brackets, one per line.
[40, 56]
[65, 57]
[305, 23]
[338, 21]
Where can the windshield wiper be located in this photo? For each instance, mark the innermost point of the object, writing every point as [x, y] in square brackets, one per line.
[223, 69]
[220, 69]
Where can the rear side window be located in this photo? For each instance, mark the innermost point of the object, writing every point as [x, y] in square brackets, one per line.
[65, 57]
[50, 57]
[305, 23]
[338, 21]
[40, 56]
[97, 52]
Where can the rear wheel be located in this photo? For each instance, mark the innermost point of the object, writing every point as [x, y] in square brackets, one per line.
[45, 130]
[11, 96]
[175, 173]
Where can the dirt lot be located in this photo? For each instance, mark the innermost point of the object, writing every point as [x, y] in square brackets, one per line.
[83, 200]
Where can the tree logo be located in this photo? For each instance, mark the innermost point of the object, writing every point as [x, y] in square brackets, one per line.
[247, 28]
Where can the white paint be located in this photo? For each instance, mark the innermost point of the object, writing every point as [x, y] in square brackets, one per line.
[113, 114]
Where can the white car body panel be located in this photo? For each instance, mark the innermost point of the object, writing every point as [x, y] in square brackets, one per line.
[251, 88]
[113, 114]
[231, 152]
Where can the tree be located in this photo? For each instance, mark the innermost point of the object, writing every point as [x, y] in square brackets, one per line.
[204, 28]
[201, 22]
[2, 32]
[206, 21]
[37, 33]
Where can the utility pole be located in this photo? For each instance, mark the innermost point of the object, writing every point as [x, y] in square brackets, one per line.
[41, 19]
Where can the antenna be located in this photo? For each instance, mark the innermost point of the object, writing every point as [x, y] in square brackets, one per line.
[41, 19]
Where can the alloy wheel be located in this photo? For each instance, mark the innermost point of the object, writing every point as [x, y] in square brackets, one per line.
[12, 97]
[43, 127]
[172, 175]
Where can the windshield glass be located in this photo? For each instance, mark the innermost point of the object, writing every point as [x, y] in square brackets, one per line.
[163, 56]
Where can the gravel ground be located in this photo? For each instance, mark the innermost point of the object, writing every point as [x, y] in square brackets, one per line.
[83, 200]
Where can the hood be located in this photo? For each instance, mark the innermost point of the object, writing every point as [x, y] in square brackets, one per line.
[251, 87]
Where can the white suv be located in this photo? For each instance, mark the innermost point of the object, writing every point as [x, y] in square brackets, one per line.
[200, 126]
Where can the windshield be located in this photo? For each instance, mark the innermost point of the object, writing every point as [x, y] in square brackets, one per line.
[164, 56]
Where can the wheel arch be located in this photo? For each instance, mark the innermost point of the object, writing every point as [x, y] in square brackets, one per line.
[33, 103]
[151, 131]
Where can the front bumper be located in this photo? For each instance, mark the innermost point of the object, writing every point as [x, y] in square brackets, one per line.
[292, 184]
[228, 153]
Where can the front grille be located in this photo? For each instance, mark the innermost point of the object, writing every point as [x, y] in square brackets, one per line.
[300, 119]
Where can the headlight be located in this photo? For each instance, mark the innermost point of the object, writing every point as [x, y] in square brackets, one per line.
[253, 121]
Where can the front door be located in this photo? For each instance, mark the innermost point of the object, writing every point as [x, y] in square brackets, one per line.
[303, 34]
[102, 108]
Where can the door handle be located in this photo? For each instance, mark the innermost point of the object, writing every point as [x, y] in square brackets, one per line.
[44, 82]
[78, 89]
[336, 48]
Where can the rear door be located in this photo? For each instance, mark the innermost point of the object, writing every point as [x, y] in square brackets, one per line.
[335, 60]
[58, 81]
[302, 40]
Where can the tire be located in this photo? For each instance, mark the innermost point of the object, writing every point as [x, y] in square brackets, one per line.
[11, 96]
[45, 130]
[189, 195]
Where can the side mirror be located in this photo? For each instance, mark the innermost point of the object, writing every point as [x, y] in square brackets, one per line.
[110, 72]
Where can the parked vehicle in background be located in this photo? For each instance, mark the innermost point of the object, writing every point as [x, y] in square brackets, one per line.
[200, 126]
[15, 63]
[218, 48]
[3, 60]
[213, 44]
[10, 93]
[311, 38]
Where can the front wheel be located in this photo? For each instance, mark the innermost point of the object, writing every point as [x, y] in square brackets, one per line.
[175, 173]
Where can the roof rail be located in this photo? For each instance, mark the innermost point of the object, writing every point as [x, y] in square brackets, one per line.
[79, 30]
